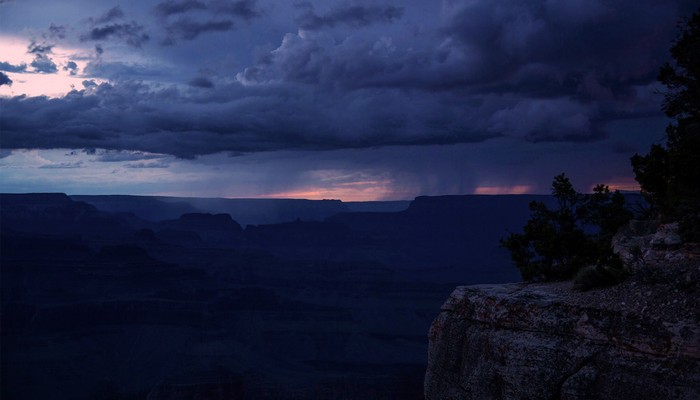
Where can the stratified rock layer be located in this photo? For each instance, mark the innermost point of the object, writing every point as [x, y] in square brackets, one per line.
[639, 340]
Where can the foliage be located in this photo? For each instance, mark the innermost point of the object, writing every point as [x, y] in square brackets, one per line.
[555, 244]
[670, 176]
[651, 171]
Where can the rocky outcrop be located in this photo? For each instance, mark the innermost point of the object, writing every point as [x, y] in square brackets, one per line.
[638, 340]
[643, 244]
[54, 213]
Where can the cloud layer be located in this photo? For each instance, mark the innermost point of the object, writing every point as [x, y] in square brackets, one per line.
[340, 75]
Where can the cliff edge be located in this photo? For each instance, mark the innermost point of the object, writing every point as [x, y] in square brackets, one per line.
[639, 339]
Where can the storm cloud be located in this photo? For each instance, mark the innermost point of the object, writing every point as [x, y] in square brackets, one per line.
[201, 82]
[352, 15]
[349, 75]
[551, 47]
[186, 29]
[56, 32]
[186, 20]
[110, 25]
[131, 33]
[110, 15]
[245, 9]
[233, 118]
[171, 7]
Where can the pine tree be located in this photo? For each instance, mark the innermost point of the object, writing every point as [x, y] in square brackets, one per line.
[670, 176]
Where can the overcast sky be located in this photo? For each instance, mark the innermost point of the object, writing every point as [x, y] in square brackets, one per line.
[357, 100]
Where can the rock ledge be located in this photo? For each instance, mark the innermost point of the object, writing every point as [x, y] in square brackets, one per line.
[640, 339]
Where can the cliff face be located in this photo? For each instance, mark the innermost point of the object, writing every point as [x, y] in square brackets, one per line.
[639, 340]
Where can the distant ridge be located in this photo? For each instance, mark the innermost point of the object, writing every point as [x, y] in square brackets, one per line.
[245, 211]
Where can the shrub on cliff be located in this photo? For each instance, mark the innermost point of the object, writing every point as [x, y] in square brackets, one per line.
[556, 244]
[670, 176]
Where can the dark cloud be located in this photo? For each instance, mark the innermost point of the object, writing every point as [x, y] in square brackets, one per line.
[99, 50]
[44, 64]
[110, 15]
[104, 27]
[171, 7]
[5, 80]
[235, 118]
[355, 63]
[592, 48]
[39, 48]
[56, 31]
[530, 72]
[5, 66]
[186, 29]
[72, 67]
[232, 118]
[547, 119]
[352, 15]
[131, 33]
[201, 82]
[245, 9]
[507, 55]
[537, 49]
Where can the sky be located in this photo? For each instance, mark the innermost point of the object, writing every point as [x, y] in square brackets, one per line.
[336, 99]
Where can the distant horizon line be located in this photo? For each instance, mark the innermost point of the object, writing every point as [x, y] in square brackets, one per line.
[297, 198]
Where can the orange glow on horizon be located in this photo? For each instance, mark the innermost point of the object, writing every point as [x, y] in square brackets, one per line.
[365, 190]
[492, 190]
[341, 185]
[624, 184]
[344, 194]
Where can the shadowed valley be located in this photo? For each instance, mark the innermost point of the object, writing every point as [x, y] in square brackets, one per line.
[146, 297]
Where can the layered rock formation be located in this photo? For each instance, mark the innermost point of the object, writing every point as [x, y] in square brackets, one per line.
[643, 244]
[637, 340]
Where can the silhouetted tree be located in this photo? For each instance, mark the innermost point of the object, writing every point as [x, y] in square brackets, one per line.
[670, 176]
[555, 244]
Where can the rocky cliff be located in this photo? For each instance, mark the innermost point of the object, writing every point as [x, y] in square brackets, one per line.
[638, 340]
